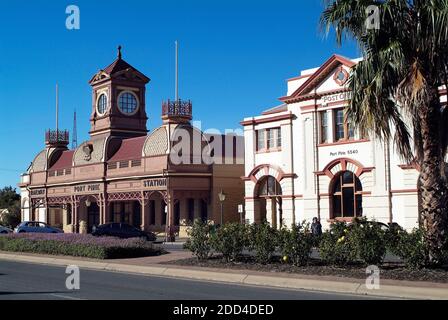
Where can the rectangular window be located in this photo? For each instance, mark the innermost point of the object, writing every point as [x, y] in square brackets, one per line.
[204, 211]
[190, 210]
[339, 125]
[261, 140]
[324, 127]
[124, 164]
[351, 131]
[278, 134]
[136, 163]
[152, 212]
[117, 212]
[69, 214]
[271, 139]
[128, 209]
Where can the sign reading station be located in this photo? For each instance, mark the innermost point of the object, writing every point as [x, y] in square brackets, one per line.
[155, 184]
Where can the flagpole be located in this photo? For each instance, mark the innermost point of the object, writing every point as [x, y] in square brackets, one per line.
[57, 111]
[177, 72]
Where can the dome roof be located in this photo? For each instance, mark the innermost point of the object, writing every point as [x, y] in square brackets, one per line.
[90, 152]
[156, 143]
[39, 162]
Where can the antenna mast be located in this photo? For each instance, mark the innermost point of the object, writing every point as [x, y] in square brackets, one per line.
[75, 132]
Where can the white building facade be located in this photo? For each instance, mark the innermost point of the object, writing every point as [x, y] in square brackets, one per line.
[303, 159]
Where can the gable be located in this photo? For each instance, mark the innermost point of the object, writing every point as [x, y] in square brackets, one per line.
[100, 76]
[130, 75]
[335, 80]
[324, 79]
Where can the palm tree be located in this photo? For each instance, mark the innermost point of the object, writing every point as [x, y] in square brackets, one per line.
[396, 90]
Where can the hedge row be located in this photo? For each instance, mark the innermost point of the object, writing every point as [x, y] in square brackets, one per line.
[360, 242]
[78, 246]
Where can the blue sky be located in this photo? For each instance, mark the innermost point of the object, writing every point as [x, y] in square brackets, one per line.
[235, 58]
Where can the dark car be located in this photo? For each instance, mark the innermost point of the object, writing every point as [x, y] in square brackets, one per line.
[36, 227]
[122, 230]
[4, 230]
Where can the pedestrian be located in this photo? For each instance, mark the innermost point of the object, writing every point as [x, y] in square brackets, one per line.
[316, 227]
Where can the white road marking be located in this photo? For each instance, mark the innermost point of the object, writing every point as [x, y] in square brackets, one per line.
[64, 297]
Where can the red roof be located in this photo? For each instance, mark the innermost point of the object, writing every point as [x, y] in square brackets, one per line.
[117, 66]
[64, 161]
[130, 149]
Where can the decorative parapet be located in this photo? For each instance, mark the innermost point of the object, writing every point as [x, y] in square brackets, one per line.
[177, 109]
[57, 138]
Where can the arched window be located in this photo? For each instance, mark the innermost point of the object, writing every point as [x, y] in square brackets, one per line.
[269, 186]
[102, 104]
[346, 196]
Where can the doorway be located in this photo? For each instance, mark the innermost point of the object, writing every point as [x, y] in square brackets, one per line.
[93, 216]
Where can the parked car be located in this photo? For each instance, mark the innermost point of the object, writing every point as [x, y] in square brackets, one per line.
[36, 227]
[122, 230]
[4, 230]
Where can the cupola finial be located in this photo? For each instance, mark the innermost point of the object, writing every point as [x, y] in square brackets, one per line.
[119, 52]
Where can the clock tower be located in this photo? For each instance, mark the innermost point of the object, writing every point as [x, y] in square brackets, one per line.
[118, 101]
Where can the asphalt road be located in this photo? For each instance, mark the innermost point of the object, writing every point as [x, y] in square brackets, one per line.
[24, 281]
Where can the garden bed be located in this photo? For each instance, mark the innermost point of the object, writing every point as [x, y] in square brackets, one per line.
[77, 245]
[393, 271]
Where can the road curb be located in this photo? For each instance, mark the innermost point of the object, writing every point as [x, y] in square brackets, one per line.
[356, 288]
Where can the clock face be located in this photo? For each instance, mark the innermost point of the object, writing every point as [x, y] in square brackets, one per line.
[128, 103]
[102, 104]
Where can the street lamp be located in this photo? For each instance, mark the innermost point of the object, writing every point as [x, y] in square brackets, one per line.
[222, 198]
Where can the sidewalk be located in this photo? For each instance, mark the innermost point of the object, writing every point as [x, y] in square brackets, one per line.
[155, 266]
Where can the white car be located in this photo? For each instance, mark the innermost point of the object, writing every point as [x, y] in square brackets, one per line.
[4, 230]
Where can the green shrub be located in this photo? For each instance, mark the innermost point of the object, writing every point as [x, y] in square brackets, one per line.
[84, 247]
[368, 241]
[263, 240]
[392, 238]
[11, 218]
[296, 243]
[200, 240]
[230, 240]
[334, 246]
[411, 248]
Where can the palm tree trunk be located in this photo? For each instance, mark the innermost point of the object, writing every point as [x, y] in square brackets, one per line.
[433, 183]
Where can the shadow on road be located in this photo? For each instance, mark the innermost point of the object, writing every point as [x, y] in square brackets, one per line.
[6, 293]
